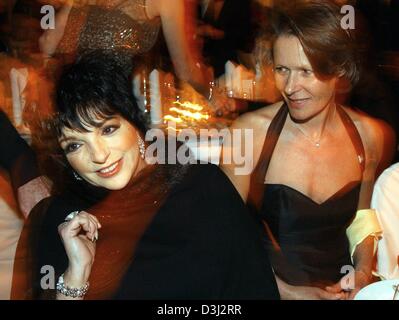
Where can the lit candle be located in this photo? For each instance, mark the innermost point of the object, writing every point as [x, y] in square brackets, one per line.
[155, 97]
[229, 74]
[137, 91]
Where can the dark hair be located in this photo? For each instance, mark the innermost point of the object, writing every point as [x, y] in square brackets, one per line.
[95, 87]
[331, 49]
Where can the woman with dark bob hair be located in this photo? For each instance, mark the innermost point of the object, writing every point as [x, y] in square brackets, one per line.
[126, 229]
[315, 161]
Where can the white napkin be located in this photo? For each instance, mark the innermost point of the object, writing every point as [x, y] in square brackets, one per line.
[19, 80]
[385, 201]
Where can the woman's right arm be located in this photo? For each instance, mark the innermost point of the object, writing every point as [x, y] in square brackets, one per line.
[78, 236]
[178, 25]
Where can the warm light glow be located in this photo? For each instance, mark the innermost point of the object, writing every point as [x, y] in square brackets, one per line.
[189, 105]
[189, 114]
[186, 112]
[168, 117]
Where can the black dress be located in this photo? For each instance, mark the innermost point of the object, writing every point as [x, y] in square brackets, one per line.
[199, 243]
[306, 241]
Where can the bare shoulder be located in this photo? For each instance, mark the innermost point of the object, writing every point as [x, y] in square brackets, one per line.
[372, 130]
[378, 137]
[259, 119]
[258, 123]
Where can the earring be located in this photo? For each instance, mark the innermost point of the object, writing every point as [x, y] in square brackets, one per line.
[141, 146]
[76, 176]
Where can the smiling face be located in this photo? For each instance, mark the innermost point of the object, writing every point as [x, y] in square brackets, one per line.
[107, 155]
[305, 94]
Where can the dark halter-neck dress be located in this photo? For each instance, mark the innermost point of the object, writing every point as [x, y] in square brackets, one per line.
[306, 241]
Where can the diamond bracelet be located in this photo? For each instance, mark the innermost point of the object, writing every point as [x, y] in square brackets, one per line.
[71, 292]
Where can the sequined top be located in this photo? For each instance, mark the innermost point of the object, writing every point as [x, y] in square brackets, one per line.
[125, 29]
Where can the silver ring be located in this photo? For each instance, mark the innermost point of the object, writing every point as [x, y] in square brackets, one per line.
[72, 215]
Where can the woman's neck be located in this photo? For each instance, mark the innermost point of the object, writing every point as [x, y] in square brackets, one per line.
[319, 120]
[314, 128]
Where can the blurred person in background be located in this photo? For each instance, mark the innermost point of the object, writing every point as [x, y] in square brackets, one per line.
[130, 28]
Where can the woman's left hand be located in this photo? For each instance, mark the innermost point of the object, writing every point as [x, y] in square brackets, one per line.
[352, 282]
